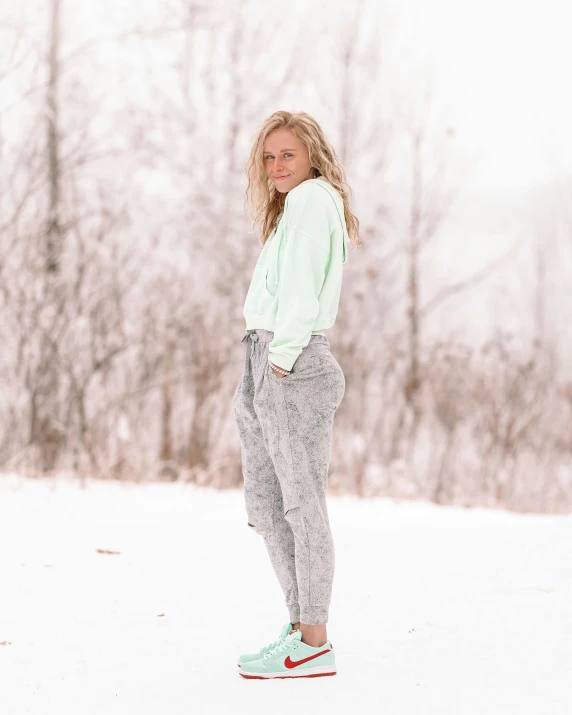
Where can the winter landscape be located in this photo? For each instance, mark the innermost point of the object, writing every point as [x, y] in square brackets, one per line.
[129, 580]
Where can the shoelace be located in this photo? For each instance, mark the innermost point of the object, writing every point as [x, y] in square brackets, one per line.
[268, 648]
[277, 649]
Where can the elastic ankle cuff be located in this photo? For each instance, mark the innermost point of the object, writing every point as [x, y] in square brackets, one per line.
[313, 615]
[294, 610]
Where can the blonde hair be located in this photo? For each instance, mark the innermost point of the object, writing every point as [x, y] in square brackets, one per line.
[264, 204]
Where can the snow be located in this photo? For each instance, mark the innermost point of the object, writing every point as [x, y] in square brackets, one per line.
[435, 609]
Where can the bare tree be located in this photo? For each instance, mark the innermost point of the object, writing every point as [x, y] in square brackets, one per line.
[44, 384]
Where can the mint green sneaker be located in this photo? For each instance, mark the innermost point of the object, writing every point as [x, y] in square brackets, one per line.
[247, 657]
[292, 658]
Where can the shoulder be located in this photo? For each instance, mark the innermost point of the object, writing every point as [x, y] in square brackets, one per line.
[308, 193]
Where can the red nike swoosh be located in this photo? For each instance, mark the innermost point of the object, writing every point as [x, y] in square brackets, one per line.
[290, 664]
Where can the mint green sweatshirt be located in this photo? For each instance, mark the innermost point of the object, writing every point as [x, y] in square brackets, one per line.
[296, 284]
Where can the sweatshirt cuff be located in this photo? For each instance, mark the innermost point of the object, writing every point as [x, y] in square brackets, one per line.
[280, 360]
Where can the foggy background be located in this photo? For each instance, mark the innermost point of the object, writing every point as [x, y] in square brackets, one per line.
[126, 253]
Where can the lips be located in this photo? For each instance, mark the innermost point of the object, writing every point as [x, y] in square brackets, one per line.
[281, 177]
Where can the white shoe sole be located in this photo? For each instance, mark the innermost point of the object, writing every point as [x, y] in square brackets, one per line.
[306, 673]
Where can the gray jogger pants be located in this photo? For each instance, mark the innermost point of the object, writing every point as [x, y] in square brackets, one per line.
[285, 427]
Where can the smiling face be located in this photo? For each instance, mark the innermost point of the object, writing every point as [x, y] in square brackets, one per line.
[286, 156]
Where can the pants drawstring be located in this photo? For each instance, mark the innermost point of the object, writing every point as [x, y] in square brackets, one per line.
[249, 350]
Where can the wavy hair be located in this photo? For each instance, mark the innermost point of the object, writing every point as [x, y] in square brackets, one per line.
[264, 204]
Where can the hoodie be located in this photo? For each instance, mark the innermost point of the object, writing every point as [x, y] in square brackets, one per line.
[296, 284]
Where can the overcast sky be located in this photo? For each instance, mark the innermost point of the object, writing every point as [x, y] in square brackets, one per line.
[507, 63]
[502, 65]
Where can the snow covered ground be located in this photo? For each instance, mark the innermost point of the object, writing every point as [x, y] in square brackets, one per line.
[435, 609]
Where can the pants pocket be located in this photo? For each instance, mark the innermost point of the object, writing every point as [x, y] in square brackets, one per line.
[274, 376]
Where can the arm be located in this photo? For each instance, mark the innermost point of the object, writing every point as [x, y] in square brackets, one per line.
[305, 256]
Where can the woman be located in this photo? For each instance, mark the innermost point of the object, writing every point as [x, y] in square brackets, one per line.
[285, 401]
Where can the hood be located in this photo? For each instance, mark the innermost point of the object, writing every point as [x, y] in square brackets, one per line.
[340, 206]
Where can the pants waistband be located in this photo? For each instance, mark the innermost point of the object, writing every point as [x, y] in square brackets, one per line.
[260, 335]
[265, 336]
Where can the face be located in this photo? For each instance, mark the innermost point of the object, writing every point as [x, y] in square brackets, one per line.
[286, 156]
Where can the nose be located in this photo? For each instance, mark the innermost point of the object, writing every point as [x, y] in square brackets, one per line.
[277, 167]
